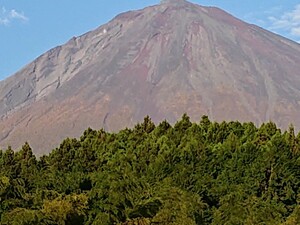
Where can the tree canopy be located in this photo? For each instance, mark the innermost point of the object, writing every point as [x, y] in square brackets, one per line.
[227, 173]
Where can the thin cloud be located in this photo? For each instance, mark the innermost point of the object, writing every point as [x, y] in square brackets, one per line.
[288, 22]
[4, 21]
[16, 15]
[8, 16]
[296, 31]
[259, 16]
[275, 10]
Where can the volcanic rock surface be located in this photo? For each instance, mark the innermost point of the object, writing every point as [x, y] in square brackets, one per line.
[161, 61]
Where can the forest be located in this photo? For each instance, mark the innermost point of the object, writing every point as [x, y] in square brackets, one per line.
[188, 173]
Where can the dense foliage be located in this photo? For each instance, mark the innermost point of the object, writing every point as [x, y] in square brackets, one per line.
[186, 174]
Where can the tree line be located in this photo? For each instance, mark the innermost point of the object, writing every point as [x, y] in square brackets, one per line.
[214, 173]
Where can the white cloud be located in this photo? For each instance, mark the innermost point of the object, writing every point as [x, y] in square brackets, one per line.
[4, 21]
[16, 15]
[296, 31]
[8, 16]
[253, 17]
[289, 22]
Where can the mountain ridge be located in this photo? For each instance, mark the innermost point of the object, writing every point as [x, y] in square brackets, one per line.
[163, 61]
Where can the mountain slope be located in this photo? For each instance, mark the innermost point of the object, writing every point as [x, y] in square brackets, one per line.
[163, 60]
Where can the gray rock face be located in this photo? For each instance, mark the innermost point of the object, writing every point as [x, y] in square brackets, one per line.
[161, 61]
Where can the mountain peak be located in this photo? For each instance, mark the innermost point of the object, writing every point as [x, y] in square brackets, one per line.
[174, 2]
[160, 61]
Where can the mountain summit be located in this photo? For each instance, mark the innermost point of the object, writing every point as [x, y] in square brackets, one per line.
[162, 61]
[174, 2]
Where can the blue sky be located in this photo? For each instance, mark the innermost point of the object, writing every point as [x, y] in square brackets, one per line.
[29, 28]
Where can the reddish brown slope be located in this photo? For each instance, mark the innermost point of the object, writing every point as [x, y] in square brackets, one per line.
[163, 61]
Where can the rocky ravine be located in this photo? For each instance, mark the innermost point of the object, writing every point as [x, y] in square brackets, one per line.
[163, 60]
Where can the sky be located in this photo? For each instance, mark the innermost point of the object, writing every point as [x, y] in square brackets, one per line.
[28, 28]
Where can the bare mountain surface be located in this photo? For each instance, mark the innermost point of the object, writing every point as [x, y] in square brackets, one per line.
[161, 61]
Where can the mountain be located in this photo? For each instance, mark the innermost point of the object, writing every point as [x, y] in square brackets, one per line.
[162, 61]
